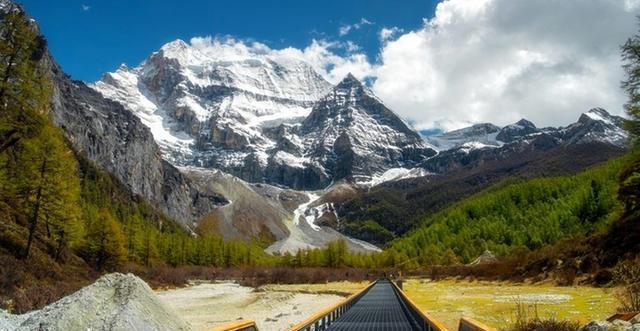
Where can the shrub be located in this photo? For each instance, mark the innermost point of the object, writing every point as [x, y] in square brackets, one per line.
[527, 319]
[628, 274]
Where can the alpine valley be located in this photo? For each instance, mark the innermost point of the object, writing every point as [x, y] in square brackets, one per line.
[257, 144]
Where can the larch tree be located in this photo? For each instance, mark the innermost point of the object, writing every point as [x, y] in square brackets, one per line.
[49, 187]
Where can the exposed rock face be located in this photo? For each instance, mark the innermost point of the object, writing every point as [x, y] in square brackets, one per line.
[210, 104]
[251, 213]
[516, 131]
[115, 302]
[261, 116]
[117, 141]
[351, 134]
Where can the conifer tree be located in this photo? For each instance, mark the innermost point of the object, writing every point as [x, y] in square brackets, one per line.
[49, 187]
[105, 242]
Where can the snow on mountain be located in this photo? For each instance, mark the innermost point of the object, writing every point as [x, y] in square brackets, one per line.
[261, 115]
[305, 233]
[597, 125]
[484, 133]
[352, 134]
[207, 102]
[594, 125]
[395, 174]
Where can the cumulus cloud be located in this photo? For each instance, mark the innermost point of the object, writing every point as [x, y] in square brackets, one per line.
[332, 59]
[85, 7]
[333, 65]
[487, 61]
[346, 28]
[387, 34]
[501, 60]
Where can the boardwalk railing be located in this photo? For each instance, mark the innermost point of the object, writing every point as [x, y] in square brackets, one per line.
[242, 325]
[468, 324]
[322, 319]
[425, 321]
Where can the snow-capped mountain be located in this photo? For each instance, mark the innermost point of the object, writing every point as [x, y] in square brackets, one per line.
[595, 126]
[351, 134]
[483, 133]
[208, 103]
[262, 116]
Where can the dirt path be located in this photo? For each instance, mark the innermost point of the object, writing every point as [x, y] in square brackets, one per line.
[208, 305]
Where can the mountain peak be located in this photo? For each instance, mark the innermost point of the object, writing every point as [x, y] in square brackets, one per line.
[177, 44]
[525, 123]
[349, 81]
[597, 114]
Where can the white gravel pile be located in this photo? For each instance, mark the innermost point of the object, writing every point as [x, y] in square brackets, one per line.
[617, 325]
[114, 302]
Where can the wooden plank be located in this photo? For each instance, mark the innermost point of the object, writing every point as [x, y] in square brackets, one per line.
[626, 316]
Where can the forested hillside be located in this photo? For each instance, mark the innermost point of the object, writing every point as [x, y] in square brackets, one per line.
[516, 214]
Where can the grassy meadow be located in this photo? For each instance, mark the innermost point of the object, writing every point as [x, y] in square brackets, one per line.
[495, 303]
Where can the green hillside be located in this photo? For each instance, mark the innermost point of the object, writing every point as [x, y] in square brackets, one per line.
[516, 214]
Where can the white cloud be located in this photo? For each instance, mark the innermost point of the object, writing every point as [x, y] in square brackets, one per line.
[500, 60]
[387, 34]
[85, 7]
[488, 61]
[322, 56]
[333, 60]
[346, 28]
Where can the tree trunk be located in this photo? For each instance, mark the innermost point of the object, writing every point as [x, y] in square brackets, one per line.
[33, 220]
[61, 244]
[46, 224]
[10, 139]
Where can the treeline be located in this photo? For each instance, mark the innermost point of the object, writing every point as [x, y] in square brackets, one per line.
[515, 215]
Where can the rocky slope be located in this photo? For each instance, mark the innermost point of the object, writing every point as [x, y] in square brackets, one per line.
[117, 141]
[109, 135]
[261, 115]
[114, 302]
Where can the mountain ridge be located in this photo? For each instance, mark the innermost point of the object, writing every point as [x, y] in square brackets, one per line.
[252, 115]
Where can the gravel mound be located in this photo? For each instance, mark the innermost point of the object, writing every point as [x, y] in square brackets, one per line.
[115, 302]
[617, 325]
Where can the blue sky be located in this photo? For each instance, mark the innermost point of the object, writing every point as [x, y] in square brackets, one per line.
[449, 64]
[91, 37]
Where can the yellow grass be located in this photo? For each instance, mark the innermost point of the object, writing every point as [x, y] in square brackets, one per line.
[342, 288]
[494, 303]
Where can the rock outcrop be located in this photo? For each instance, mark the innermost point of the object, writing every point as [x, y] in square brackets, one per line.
[115, 302]
[116, 140]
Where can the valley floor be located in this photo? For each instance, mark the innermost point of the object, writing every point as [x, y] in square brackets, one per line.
[273, 307]
[495, 303]
[277, 307]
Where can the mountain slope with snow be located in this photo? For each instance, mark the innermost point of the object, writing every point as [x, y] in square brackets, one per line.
[261, 116]
[594, 126]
